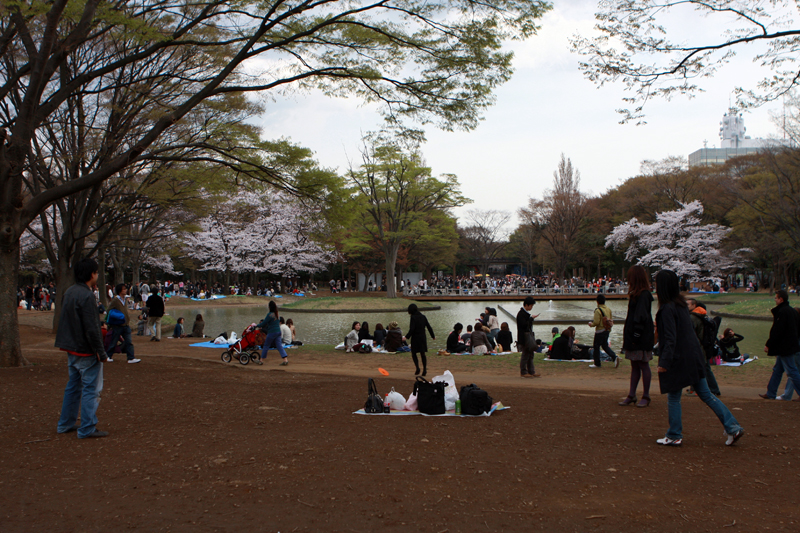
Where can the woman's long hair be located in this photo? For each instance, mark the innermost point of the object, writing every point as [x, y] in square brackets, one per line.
[638, 281]
[668, 289]
[273, 308]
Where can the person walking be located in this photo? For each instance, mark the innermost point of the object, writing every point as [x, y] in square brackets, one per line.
[123, 330]
[638, 335]
[601, 333]
[698, 314]
[680, 362]
[79, 335]
[419, 342]
[271, 326]
[783, 344]
[526, 340]
[155, 312]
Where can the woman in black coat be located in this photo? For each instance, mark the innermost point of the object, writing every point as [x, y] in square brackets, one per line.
[680, 361]
[416, 333]
[638, 335]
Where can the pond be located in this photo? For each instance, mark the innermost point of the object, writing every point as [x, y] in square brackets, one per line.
[330, 328]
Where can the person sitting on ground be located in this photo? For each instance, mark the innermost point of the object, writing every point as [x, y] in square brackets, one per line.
[540, 347]
[562, 345]
[290, 325]
[394, 338]
[352, 337]
[178, 332]
[480, 342]
[454, 344]
[379, 336]
[198, 327]
[466, 338]
[730, 350]
[363, 333]
[504, 338]
[286, 333]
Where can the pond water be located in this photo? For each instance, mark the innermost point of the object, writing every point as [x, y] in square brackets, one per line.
[330, 328]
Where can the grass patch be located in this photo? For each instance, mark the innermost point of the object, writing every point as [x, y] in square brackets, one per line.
[761, 307]
[329, 303]
[178, 301]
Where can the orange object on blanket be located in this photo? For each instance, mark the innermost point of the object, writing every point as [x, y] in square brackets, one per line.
[384, 372]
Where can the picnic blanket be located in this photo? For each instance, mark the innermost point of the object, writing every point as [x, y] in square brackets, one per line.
[214, 297]
[738, 363]
[209, 344]
[497, 406]
[212, 345]
[470, 353]
[570, 360]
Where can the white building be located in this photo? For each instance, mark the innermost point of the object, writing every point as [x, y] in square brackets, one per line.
[734, 142]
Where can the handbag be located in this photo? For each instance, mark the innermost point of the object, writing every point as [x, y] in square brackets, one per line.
[374, 402]
[430, 396]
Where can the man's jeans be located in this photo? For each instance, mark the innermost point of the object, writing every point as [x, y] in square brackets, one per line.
[127, 341]
[701, 388]
[788, 392]
[783, 363]
[601, 341]
[82, 392]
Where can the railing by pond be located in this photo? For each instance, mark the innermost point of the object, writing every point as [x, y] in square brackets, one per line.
[517, 291]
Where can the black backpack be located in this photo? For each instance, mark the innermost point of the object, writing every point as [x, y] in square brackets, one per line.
[374, 402]
[709, 340]
[474, 401]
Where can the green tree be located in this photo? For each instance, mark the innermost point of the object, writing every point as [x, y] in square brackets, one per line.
[431, 62]
[394, 192]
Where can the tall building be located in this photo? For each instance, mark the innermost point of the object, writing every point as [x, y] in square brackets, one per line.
[734, 142]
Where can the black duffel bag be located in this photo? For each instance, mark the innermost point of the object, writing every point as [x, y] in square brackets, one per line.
[430, 396]
[474, 401]
[374, 402]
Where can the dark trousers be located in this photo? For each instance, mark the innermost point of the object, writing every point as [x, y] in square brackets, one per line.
[601, 341]
[526, 363]
[127, 342]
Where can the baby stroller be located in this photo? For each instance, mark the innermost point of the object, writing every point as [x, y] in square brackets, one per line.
[247, 349]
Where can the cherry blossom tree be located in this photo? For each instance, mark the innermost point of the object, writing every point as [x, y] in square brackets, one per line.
[254, 232]
[677, 241]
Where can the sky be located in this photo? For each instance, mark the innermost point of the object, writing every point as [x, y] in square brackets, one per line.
[546, 109]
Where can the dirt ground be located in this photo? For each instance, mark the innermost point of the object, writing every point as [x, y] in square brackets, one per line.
[198, 445]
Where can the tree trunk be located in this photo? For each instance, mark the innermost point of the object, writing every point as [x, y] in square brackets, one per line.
[391, 264]
[101, 276]
[10, 350]
[65, 278]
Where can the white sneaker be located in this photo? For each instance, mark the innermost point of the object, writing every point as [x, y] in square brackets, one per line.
[134, 360]
[733, 437]
[779, 397]
[666, 441]
[593, 366]
[616, 362]
[109, 360]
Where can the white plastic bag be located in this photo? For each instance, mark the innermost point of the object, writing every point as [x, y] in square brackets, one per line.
[221, 340]
[232, 338]
[411, 403]
[450, 392]
[396, 400]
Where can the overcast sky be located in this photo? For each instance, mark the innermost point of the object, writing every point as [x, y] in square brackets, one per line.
[547, 108]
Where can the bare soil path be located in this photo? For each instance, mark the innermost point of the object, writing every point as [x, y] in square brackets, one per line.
[198, 445]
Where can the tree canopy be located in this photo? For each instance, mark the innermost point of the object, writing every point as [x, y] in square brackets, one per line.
[642, 44]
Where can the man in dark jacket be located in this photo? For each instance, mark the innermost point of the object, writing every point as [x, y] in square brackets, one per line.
[79, 335]
[526, 340]
[783, 344]
[155, 312]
